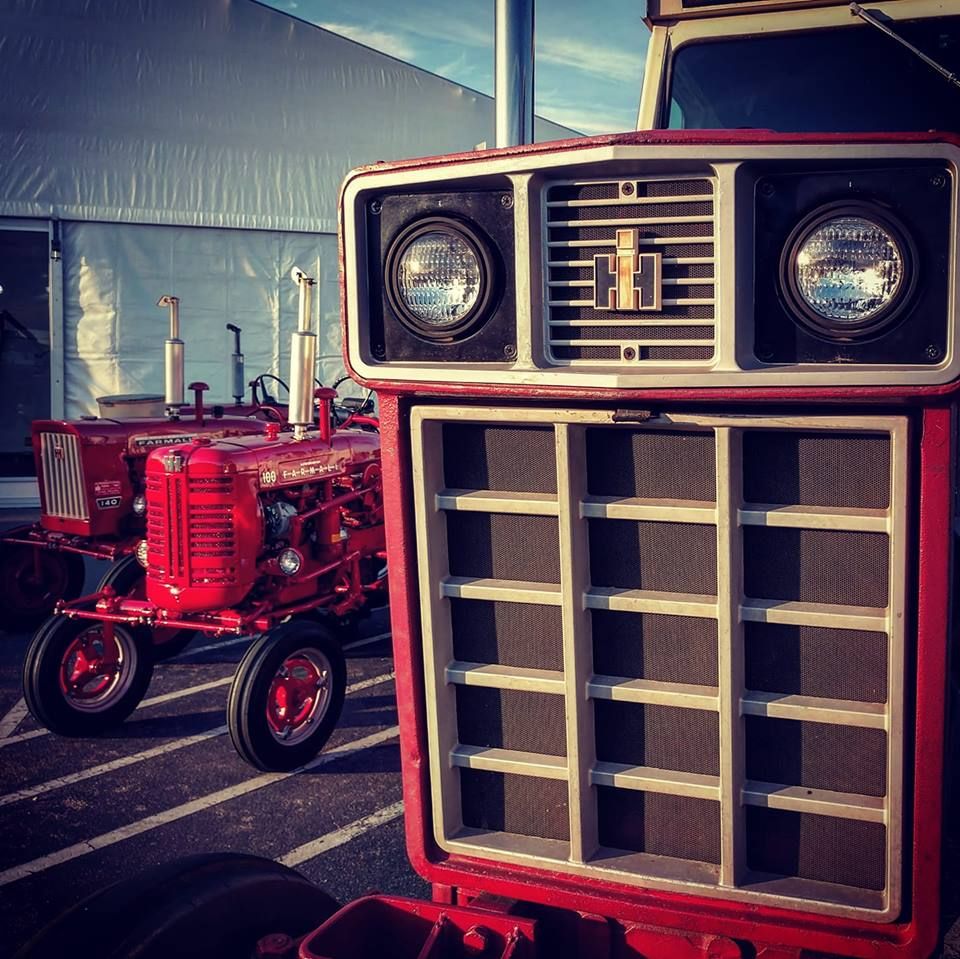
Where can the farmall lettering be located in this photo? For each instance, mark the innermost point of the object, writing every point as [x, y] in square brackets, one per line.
[628, 280]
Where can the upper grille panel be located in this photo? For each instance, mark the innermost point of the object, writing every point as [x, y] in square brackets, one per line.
[673, 218]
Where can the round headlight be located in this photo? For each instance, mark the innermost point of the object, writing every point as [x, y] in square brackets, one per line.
[289, 562]
[847, 272]
[142, 553]
[439, 275]
[139, 504]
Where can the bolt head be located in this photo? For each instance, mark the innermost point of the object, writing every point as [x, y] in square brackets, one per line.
[506, 201]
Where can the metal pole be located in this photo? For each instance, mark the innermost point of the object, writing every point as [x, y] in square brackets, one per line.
[173, 357]
[513, 72]
[303, 360]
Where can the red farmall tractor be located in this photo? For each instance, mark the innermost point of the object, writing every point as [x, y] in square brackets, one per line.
[278, 533]
[90, 474]
[669, 422]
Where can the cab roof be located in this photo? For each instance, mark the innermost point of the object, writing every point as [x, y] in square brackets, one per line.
[669, 11]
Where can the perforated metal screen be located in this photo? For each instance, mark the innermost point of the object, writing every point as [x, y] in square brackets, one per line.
[685, 637]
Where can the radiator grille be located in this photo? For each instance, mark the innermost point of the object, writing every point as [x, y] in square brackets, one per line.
[729, 593]
[190, 528]
[64, 492]
[673, 218]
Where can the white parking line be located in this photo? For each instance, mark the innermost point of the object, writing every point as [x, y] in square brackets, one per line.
[367, 641]
[219, 644]
[141, 826]
[14, 716]
[28, 792]
[317, 847]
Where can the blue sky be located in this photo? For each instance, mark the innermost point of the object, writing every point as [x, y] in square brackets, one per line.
[589, 54]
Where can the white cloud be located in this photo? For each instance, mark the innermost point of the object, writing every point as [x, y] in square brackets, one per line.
[585, 120]
[611, 63]
[380, 40]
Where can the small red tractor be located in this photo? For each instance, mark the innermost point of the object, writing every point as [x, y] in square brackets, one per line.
[278, 533]
[90, 474]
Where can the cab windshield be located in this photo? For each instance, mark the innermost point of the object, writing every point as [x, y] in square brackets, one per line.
[850, 79]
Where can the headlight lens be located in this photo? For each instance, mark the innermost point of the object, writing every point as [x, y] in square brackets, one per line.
[847, 271]
[439, 277]
[139, 504]
[142, 553]
[289, 562]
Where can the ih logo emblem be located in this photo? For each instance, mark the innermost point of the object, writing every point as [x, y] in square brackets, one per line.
[628, 280]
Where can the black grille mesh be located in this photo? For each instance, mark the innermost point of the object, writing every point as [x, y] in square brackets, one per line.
[517, 459]
[815, 566]
[816, 847]
[526, 805]
[651, 464]
[511, 634]
[505, 719]
[666, 649]
[668, 557]
[813, 468]
[846, 759]
[659, 824]
[816, 661]
[504, 546]
[663, 737]
[816, 469]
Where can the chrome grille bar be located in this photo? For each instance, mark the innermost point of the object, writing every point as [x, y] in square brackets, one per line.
[63, 486]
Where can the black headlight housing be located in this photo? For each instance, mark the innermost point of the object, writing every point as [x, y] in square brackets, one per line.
[484, 221]
[910, 201]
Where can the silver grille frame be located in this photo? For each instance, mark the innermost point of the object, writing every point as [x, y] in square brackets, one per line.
[576, 683]
[64, 489]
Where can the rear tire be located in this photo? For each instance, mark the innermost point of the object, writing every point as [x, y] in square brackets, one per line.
[78, 683]
[26, 600]
[287, 696]
[211, 906]
[128, 578]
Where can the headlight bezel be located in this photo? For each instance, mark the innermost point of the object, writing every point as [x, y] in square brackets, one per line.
[846, 331]
[478, 313]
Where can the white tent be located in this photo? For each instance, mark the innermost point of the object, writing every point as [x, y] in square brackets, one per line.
[193, 147]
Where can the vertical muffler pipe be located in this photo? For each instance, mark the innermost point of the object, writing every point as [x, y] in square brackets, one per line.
[513, 72]
[172, 357]
[236, 365]
[303, 359]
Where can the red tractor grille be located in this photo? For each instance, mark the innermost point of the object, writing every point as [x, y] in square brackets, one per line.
[190, 528]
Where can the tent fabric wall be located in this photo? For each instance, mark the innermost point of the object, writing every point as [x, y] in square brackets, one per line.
[114, 332]
[220, 113]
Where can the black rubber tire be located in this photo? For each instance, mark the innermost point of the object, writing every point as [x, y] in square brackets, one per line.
[125, 575]
[247, 702]
[41, 681]
[210, 906]
[25, 603]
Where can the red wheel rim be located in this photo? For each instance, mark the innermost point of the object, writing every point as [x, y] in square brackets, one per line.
[299, 695]
[95, 670]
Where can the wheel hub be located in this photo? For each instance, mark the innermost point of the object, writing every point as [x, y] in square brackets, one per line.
[91, 668]
[299, 695]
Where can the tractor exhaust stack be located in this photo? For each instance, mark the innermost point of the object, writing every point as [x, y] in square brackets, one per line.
[173, 357]
[303, 359]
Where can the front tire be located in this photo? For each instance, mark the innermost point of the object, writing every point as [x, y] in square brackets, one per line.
[79, 682]
[210, 906]
[28, 596]
[287, 696]
[128, 578]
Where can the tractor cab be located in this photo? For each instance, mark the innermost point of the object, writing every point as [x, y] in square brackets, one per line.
[808, 66]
